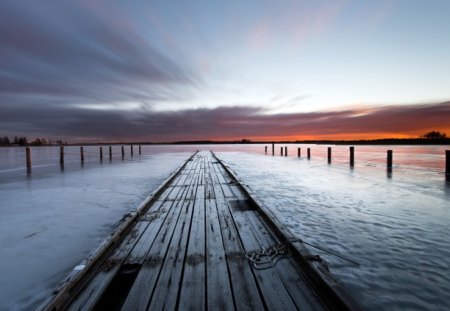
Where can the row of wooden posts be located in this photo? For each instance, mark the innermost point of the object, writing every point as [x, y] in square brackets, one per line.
[82, 153]
[389, 158]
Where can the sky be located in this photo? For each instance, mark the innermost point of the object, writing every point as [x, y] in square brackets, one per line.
[97, 70]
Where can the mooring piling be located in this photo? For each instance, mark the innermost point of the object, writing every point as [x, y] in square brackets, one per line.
[352, 156]
[299, 150]
[273, 149]
[389, 160]
[81, 154]
[309, 153]
[329, 155]
[101, 153]
[140, 150]
[265, 150]
[285, 151]
[131, 150]
[61, 154]
[281, 148]
[28, 153]
[447, 165]
[123, 152]
[110, 153]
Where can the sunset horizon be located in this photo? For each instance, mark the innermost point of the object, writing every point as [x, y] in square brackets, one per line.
[114, 71]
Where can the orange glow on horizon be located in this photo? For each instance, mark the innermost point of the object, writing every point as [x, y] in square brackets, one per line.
[338, 136]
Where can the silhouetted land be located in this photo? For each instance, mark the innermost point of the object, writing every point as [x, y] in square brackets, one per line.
[385, 141]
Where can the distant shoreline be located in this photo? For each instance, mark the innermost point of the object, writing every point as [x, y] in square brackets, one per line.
[385, 141]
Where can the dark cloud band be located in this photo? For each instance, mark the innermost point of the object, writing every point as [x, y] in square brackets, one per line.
[75, 123]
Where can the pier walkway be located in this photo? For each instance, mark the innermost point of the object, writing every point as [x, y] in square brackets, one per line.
[203, 243]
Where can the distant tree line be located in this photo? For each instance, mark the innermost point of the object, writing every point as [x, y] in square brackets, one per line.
[434, 135]
[23, 141]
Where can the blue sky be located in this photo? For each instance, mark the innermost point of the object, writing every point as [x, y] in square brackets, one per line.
[95, 62]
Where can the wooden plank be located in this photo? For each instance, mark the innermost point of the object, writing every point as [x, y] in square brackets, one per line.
[193, 291]
[168, 286]
[142, 247]
[166, 291]
[136, 243]
[272, 288]
[218, 288]
[288, 271]
[142, 289]
[245, 289]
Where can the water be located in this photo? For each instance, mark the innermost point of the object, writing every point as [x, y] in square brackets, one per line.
[395, 225]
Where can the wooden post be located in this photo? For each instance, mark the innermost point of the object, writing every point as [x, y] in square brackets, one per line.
[389, 160]
[285, 151]
[281, 151]
[352, 156]
[329, 155]
[110, 153]
[139, 149]
[123, 152]
[309, 153]
[61, 154]
[273, 148]
[28, 155]
[265, 150]
[131, 150]
[447, 165]
[81, 154]
[299, 150]
[101, 153]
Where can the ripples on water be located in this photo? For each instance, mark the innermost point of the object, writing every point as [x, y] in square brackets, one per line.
[397, 228]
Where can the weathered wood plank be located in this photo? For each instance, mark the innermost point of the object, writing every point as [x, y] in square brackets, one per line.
[189, 250]
[193, 291]
[287, 270]
[273, 290]
[218, 288]
[245, 289]
[167, 288]
[142, 289]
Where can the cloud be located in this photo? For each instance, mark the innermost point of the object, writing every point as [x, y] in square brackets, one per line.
[76, 124]
[81, 52]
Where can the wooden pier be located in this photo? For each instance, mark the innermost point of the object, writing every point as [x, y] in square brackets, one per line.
[201, 242]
